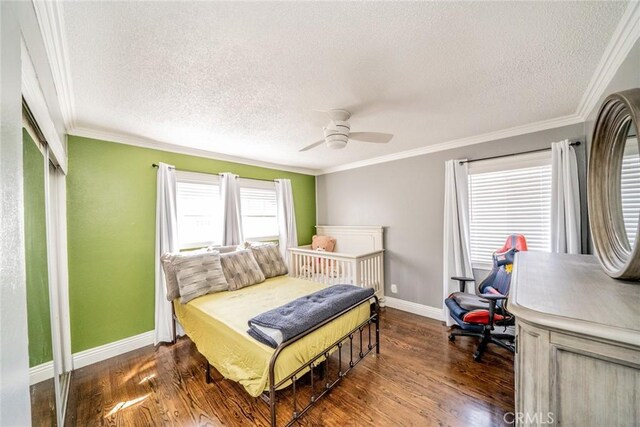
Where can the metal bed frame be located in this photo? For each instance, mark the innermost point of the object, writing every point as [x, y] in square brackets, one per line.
[319, 361]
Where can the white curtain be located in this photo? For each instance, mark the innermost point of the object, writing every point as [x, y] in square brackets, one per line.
[166, 241]
[457, 253]
[565, 199]
[288, 234]
[231, 214]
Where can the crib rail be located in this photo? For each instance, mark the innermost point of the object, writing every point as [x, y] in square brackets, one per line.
[332, 268]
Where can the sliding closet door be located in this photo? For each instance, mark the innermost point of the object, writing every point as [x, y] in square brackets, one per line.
[56, 265]
[43, 403]
[46, 267]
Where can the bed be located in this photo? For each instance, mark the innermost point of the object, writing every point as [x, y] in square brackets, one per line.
[217, 324]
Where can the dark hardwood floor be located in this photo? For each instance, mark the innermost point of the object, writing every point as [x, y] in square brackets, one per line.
[43, 404]
[420, 378]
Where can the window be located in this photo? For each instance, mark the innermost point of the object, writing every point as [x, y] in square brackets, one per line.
[509, 196]
[259, 210]
[199, 209]
[630, 184]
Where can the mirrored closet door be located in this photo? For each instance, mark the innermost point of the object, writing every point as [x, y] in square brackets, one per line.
[45, 253]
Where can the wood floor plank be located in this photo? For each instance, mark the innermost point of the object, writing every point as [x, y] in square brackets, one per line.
[420, 378]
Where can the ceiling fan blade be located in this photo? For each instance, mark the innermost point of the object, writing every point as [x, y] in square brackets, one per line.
[377, 137]
[310, 146]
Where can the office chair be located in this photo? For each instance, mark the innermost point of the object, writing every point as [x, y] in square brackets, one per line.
[478, 315]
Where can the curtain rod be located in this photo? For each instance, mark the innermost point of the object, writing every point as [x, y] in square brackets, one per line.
[155, 165]
[462, 162]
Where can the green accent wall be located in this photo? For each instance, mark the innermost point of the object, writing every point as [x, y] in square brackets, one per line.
[35, 239]
[111, 196]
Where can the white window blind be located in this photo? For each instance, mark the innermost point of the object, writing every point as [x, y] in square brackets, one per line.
[259, 211]
[199, 210]
[506, 198]
[630, 188]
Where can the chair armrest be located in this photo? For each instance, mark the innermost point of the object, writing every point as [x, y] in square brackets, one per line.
[493, 297]
[463, 281]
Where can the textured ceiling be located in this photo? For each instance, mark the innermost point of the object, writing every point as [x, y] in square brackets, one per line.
[243, 78]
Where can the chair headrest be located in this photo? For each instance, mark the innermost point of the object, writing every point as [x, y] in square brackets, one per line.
[514, 241]
[504, 258]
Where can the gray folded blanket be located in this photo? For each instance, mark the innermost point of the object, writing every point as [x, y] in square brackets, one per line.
[283, 323]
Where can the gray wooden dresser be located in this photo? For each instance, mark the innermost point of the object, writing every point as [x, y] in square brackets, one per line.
[578, 342]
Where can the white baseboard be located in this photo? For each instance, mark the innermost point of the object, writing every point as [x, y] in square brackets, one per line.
[98, 354]
[93, 355]
[103, 352]
[40, 373]
[415, 308]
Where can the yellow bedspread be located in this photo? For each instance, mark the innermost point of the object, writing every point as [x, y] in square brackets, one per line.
[217, 324]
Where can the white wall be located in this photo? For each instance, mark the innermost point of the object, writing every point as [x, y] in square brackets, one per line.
[18, 19]
[627, 77]
[14, 360]
[26, 15]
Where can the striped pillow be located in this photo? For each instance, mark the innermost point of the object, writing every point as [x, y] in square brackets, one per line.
[269, 259]
[241, 269]
[199, 275]
[170, 277]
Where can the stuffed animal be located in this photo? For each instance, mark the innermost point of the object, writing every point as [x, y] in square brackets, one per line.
[323, 243]
[320, 244]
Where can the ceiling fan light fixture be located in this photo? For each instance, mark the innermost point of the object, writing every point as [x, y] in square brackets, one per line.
[336, 144]
[338, 132]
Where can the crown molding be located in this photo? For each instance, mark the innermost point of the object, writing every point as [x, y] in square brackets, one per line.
[33, 96]
[51, 23]
[462, 142]
[624, 37]
[174, 148]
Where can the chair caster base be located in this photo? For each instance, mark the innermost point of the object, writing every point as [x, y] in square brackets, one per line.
[452, 337]
[477, 356]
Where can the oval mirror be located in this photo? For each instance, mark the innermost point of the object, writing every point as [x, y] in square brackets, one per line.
[614, 185]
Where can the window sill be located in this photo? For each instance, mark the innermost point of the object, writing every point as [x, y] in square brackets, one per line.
[262, 239]
[196, 245]
[481, 266]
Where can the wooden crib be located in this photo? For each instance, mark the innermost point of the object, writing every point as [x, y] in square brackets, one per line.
[358, 258]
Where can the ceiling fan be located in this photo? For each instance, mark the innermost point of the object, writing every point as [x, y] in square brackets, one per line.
[338, 132]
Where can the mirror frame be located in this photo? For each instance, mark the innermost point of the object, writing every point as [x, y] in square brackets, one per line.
[618, 258]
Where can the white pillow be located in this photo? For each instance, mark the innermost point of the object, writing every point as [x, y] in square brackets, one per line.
[171, 280]
[269, 259]
[241, 269]
[199, 274]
